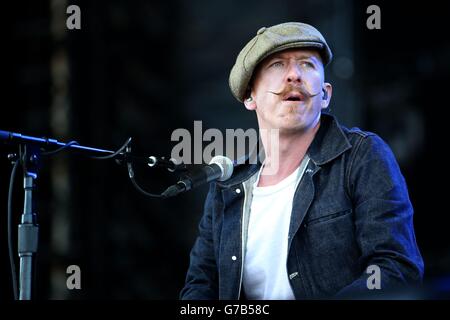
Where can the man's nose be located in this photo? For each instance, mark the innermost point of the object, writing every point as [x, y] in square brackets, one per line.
[294, 73]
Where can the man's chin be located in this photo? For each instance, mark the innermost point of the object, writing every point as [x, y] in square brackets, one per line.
[291, 128]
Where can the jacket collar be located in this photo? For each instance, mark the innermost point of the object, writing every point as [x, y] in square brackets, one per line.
[329, 143]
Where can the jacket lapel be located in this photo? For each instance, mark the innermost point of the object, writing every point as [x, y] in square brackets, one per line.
[303, 197]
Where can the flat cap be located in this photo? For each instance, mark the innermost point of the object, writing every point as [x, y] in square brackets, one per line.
[270, 40]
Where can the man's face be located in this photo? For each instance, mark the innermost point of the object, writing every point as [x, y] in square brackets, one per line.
[287, 91]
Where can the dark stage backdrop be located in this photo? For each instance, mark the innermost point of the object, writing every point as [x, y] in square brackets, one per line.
[142, 69]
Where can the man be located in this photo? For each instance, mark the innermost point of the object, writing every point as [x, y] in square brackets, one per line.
[333, 220]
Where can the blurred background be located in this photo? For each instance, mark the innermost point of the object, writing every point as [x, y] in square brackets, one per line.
[142, 69]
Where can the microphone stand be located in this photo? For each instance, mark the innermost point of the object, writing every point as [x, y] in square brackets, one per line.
[28, 228]
[30, 158]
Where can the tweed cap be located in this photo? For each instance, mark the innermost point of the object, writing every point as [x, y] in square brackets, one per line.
[268, 41]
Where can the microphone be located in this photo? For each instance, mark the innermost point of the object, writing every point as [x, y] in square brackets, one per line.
[219, 168]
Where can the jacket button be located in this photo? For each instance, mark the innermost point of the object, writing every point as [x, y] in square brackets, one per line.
[293, 275]
[238, 190]
[233, 258]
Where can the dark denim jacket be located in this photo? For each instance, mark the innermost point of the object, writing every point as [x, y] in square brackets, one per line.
[351, 210]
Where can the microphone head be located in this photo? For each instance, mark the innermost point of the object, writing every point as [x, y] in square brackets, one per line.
[226, 166]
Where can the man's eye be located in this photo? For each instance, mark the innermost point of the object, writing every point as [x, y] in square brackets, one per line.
[277, 64]
[306, 64]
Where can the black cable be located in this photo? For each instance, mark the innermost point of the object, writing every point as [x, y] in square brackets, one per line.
[115, 153]
[71, 143]
[10, 243]
[131, 175]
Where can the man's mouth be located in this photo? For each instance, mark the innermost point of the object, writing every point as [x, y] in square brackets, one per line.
[294, 97]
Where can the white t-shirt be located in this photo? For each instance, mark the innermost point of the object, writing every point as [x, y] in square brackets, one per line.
[265, 273]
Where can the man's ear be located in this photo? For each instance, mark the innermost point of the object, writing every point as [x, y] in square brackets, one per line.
[327, 93]
[249, 103]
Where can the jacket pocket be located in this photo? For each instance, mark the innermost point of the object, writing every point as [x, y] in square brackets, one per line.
[327, 217]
